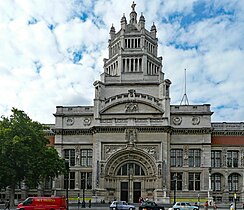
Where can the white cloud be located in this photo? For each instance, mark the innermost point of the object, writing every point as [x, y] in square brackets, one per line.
[39, 39]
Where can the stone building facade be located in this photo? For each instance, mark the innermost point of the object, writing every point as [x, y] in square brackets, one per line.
[132, 142]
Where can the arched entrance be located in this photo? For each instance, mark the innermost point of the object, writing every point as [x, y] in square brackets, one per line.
[130, 174]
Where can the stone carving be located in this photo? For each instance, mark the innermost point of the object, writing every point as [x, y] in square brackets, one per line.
[132, 92]
[177, 120]
[159, 170]
[150, 149]
[195, 120]
[77, 152]
[111, 149]
[133, 6]
[131, 135]
[185, 155]
[131, 107]
[87, 121]
[70, 121]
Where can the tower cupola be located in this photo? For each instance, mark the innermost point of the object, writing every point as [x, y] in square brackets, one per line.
[112, 32]
[142, 21]
[123, 22]
[153, 31]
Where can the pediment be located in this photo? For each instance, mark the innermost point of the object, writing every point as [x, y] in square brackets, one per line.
[132, 107]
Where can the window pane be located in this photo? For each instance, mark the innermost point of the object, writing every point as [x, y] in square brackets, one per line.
[176, 157]
[86, 157]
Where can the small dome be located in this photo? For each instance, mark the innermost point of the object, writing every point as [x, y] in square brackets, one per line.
[142, 18]
[123, 18]
[112, 29]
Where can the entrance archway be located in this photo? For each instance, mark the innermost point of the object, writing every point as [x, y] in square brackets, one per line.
[129, 174]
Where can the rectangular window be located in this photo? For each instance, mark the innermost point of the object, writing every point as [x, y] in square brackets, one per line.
[86, 180]
[232, 159]
[86, 157]
[194, 181]
[216, 159]
[71, 181]
[48, 183]
[216, 182]
[176, 157]
[176, 181]
[194, 158]
[70, 155]
[233, 182]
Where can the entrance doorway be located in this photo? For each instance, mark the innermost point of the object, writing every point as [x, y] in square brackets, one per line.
[124, 186]
[136, 192]
[124, 193]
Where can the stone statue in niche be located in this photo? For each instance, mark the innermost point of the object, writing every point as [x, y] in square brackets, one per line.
[131, 135]
[77, 159]
[159, 170]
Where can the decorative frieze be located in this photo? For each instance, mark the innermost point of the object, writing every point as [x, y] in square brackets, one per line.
[152, 150]
[189, 131]
[111, 149]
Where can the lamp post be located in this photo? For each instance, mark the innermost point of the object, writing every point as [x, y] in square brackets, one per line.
[83, 205]
[209, 186]
[198, 199]
[235, 198]
[67, 182]
[175, 186]
[78, 201]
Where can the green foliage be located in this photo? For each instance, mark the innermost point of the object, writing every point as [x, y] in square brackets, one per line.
[24, 154]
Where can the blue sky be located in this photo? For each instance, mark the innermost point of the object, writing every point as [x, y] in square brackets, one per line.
[52, 52]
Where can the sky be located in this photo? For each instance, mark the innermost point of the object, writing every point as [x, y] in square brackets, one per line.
[51, 52]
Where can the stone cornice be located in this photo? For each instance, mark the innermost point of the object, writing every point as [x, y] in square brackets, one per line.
[191, 131]
[141, 129]
[144, 129]
[228, 133]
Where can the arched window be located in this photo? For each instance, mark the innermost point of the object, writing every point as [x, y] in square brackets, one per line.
[131, 168]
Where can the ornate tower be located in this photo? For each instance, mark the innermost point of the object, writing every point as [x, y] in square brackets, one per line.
[133, 65]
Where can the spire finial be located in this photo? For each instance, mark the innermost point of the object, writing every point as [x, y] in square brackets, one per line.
[133, 6]
[184, 98]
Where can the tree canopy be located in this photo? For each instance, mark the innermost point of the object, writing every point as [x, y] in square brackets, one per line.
[24, 154]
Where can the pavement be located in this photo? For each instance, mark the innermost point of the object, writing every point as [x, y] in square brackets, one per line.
[101, 206]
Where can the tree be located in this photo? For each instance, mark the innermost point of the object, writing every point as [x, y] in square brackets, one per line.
[24, 154]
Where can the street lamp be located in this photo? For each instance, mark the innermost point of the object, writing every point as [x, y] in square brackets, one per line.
[235, 197]
[130, 177]
[67, 182]
[175, 186]
[209, 186]
[198, 199]
[83, 205]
